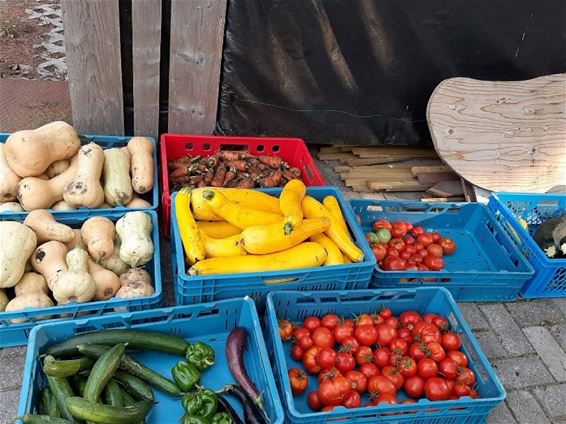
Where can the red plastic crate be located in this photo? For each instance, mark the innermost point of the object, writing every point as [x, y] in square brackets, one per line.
[175, 146]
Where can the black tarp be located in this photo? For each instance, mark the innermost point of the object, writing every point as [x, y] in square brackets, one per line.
[362, 71]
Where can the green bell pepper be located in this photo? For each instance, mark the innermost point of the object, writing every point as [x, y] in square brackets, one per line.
[222, 418]
[200, 355]
[202, 403]
[185, 375]
[187, 419]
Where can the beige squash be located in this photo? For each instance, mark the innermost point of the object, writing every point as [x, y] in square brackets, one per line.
[11, 207]
[61, 205]
[3, 300]
[57, 168]
[141, 151]
[46, 228]
[85, 190]
[49, 260]
[76, 284]
[77, 241]
[98, 234]
[138, 203]
[107, 283]
[29, 300]
[134, 230]
[18, 243]
[8, 179]
[114, 263]
[31, 282]
[117, 184]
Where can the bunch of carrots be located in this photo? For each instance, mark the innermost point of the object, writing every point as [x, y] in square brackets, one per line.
[230, 169]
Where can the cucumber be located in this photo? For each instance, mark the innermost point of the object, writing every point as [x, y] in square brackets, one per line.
[47, 404]
[133, 367]
[133, 385]
[136, 339]
[113, 394]
[128, 399]
[80, 385]
[102, 372]
[67, 368]
[97, 413]
[61, 390]
[43, 419]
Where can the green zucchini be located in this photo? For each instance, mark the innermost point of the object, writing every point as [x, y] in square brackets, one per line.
[133, 385]
[136, 339]
[80, 386]
[43, 419]
[102, 372]
[68, 368]
[113, 394]
[47, 404]
[97, 413]
[61, 390]
[128, 399]
[133, 367]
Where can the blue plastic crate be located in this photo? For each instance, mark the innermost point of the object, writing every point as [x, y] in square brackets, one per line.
[210, 323]
[295, 306]
[196, 289]
[17, 334]
[106, 142]
[549, 279]
[486, 265]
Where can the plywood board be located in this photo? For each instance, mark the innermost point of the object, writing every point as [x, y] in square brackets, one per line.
[502, 135]
[437, 177]
[415, 170]
[447, 189]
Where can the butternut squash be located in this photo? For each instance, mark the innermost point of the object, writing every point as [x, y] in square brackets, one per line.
[49, 260]
[116, 174]
[30, 152]
[46, 228]
[29, 300]
[304, 255]
[290, 204]
[134, 230]
[11, 207]
[114, 263]
[18, 243]
[31, 282]
[193, 244]
[76, 284]
[107, 283]
[3, 300]
[35, 193]
[98, 234]
[85, 189]
[219, 247]
[334, 254]
[218, 229]
[57, 168]
[61, 205]
[138, 203]
[141, 151]
[8, 179]
[135, 283]
[135, 276]
[77, 241]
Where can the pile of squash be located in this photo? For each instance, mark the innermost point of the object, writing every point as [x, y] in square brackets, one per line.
[44, 262]
[47, 168]
[230, 230]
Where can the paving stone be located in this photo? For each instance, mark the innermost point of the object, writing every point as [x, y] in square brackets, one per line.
[511, 336]
[501, 415]
[525, 408]
[537, 312]
[548, 350]
[490, 345]
[552, 399]
[561, 303]
[11, 371]
[516, 373]
[9, 405]
[11, 352]
[559, 333]
[473, 316]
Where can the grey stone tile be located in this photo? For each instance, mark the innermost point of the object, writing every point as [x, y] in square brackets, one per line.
[11, 352]
[553, 399]
[516, 373]
[490, 345]
[11, 371]
[501, 415]
[561, 303]
[473, 316]
[525, 408]
[507, 331]
[168, 298]
[8, 406]
[548, 350]
[559, 333]
[532, 313]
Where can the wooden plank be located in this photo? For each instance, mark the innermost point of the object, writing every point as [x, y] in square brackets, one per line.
[341, 168]
[429, 169]
[396, 156]
[469, 192]
[437, 177]
[447, 189]
[442, 199]
[382, 171]
[393, 151]
[330, 156]
[383, 177]
[94, 70]
[197, 34]
[355, 161]
[396, 186]
[146, 50]
[330, 149]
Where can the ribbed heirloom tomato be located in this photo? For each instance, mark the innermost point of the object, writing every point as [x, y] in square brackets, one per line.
[458, 357]
[399, 346]
[333, 391]
[285, 329]
[350, 344]
[435, 351]
[407, 366]
[393, 374]
[426, 333]
[417, 351]
[298, 380]
[309, 360]
[363, 355]
[380, 384]
[358, 381]
[328, 374]
[352, 400]
[369, 370]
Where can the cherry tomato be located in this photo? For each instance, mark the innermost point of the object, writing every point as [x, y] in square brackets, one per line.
[366, 334]
[285, 329]
[364, 319]
[436, 389]
[405, 334]
[345, 362]
[451, 341]
[382, 223]
[435, 237]
[399, 346]
[433, 263]
[380, 384]
[427, 368]
[364, 355]
[313, 401]
[381, 356]
[459, 357]
[322, 337]
[416, 231]
[407, 366]
[397, 243]
[379, 251]
[326, 358]
[298, 380]
[385, 334]
[334, 391]
[466, 376]
[297, 352]
[309, 360]
[341, 331]
[300, 333]
[426, 333]
[435, 250]
[398, 229]
[383, 235]
[350, 344]
[330, 321]
[435, 351]
[414, 386]
[352, 400]
[461, 390]
[448, 245]
[389, 398]
[327, 374]
[393, 374]
[385, 313]
[311, 323]
[448, 368]
[358, 381]
[305, 342]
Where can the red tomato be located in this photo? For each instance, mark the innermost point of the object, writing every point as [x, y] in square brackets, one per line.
[426, 333]
[393, 322]
[358, 381]
[326, 358]
[416, 258]
[364, 355]
[423, 253]
[379, 251]
[381, 356]
[461, 390]
[429, 317]
[451, 341]
[300, 333]
[409, 241]
[450, 384]
[341, 331]
[380, 384]
[382, 223]
[411, 249]
[366, 334]
[385, 334]
[435, 351]
[322, 337]
[398, 229]
[405, 334]
[393, 374]
[345, 362]
[427, 368]
[311, 323]
[330, 321]
[417, 351]
[435, 250]
[407, 366]
[414, 386]
[333, 392]
[408, 226]
[377, 319]
[350, 344]
[349, 322]
[448, 368]
[364, 319]
[459, 357]
[298, 380]
[391, 252]
[369, 370]
[473, 393]
[328, 374]
[305, 342]
[390, 398]
[285, 329]
[419, 246]
[328, 408]
[441, 323]
[399, 346]
[436, 389]
[416, 231]
[309, 360]
[448, 246]
[425, 239]
[433, 263]
[352, 400]
[404, 255]
[409, 318]
[394, 359]
[385, 313]
[436, 237]
[397, 243]
[313, 401]
[466, 376]
[297, 352]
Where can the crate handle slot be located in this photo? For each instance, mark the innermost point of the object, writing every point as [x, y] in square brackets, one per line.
[275, 148]
[374, 208]
[207, 313]
[206, 147]
[234, 147]
[548, 203]
[280, 280]
[189, 146]
[260, 147]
